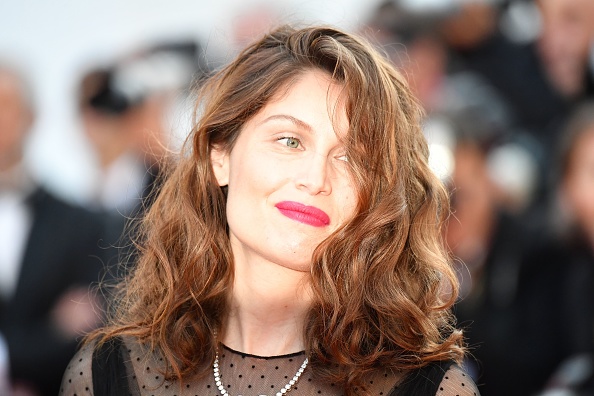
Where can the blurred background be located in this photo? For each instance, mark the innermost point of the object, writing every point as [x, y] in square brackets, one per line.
[55, 43]
[94, 95]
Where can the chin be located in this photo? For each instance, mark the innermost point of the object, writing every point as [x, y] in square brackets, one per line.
[295, 265]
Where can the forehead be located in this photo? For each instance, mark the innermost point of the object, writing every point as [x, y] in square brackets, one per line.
[312, 97]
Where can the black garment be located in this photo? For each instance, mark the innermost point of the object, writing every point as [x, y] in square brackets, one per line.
[124, 367]
[428, 380]
[559, 307]
[494, 319]
[61, 252]
[549, 317]
[121, 252]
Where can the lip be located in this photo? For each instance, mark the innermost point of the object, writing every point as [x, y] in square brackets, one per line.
[303, 213]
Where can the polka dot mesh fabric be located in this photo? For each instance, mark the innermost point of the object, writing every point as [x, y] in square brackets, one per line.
[241, 374]
[456, 382]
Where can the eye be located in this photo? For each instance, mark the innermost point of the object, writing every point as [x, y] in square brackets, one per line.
[290, 142]
[343, 158]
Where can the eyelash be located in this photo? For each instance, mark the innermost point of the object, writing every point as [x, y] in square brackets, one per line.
[289, 138]
[340, 158]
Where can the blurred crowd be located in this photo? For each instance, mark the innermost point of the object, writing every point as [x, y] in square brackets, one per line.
[508, 91]
[58, 259]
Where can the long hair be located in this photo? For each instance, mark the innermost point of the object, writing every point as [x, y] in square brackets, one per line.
[382, 282]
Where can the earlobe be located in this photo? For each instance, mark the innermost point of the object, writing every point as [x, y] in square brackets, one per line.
[219, 159]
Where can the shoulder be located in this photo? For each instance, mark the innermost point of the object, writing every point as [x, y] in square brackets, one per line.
[78, 377]
[443, 378]
[456, 381]
[112, 367]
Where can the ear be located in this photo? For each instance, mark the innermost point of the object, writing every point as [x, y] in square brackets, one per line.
[219, 160]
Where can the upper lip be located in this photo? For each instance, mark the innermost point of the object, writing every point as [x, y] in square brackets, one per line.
[306, 209]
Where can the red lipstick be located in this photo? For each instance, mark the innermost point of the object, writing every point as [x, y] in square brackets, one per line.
[304, 214]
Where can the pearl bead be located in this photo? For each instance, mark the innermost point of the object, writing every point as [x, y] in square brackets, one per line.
[284, 390]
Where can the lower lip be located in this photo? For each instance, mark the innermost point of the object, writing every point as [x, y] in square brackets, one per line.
[304, 214]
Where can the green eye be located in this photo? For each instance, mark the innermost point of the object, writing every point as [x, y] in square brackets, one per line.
[291, 142]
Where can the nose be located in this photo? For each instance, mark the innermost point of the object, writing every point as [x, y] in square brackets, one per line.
[313, 175]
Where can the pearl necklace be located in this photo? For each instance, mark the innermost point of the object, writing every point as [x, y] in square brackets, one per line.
[284, 389]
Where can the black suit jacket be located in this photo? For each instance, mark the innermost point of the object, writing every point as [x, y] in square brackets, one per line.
[63, 250]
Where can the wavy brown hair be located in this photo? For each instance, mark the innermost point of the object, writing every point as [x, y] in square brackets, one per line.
[382, 282]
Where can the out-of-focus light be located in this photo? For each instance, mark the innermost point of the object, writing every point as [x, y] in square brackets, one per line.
[441, 141]
[514, 170]
[521, 22]
[441, 160]
[428, 5]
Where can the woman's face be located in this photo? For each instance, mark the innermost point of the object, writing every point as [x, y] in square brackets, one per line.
[289, 185]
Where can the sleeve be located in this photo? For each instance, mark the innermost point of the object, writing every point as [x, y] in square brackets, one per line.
[456, 382]
[78, 377]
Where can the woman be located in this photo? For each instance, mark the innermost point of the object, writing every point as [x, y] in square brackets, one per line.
[296, 246]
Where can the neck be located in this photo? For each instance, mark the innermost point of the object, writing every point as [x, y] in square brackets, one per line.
[268, 308]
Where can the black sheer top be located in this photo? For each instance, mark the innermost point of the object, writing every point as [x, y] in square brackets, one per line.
[128, 368]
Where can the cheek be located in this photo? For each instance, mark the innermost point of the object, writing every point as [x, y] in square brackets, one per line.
[347, 201]
[249, 186]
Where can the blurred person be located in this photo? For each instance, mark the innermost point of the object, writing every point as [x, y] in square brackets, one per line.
[419, 39]
[411, 40]
[125, 111]
[540, 339]
[468, 24]
[489, 240]
[434, 40]
[515, 69]
[565, 44]
[577, 172]
[49, 256]
[568, 257]
[296, 245]
[128, 140]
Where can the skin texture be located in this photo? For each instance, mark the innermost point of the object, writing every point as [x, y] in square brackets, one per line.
[290, 151]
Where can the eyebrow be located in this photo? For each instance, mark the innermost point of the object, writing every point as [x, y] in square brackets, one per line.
[296, 121]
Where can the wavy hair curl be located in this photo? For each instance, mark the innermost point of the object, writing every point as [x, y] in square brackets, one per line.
[382, 283]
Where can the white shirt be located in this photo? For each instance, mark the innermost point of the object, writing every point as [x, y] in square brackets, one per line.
[15, 224]
[121, 185]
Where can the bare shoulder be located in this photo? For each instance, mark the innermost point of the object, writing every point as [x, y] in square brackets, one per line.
[78, 377]
[456, 382]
